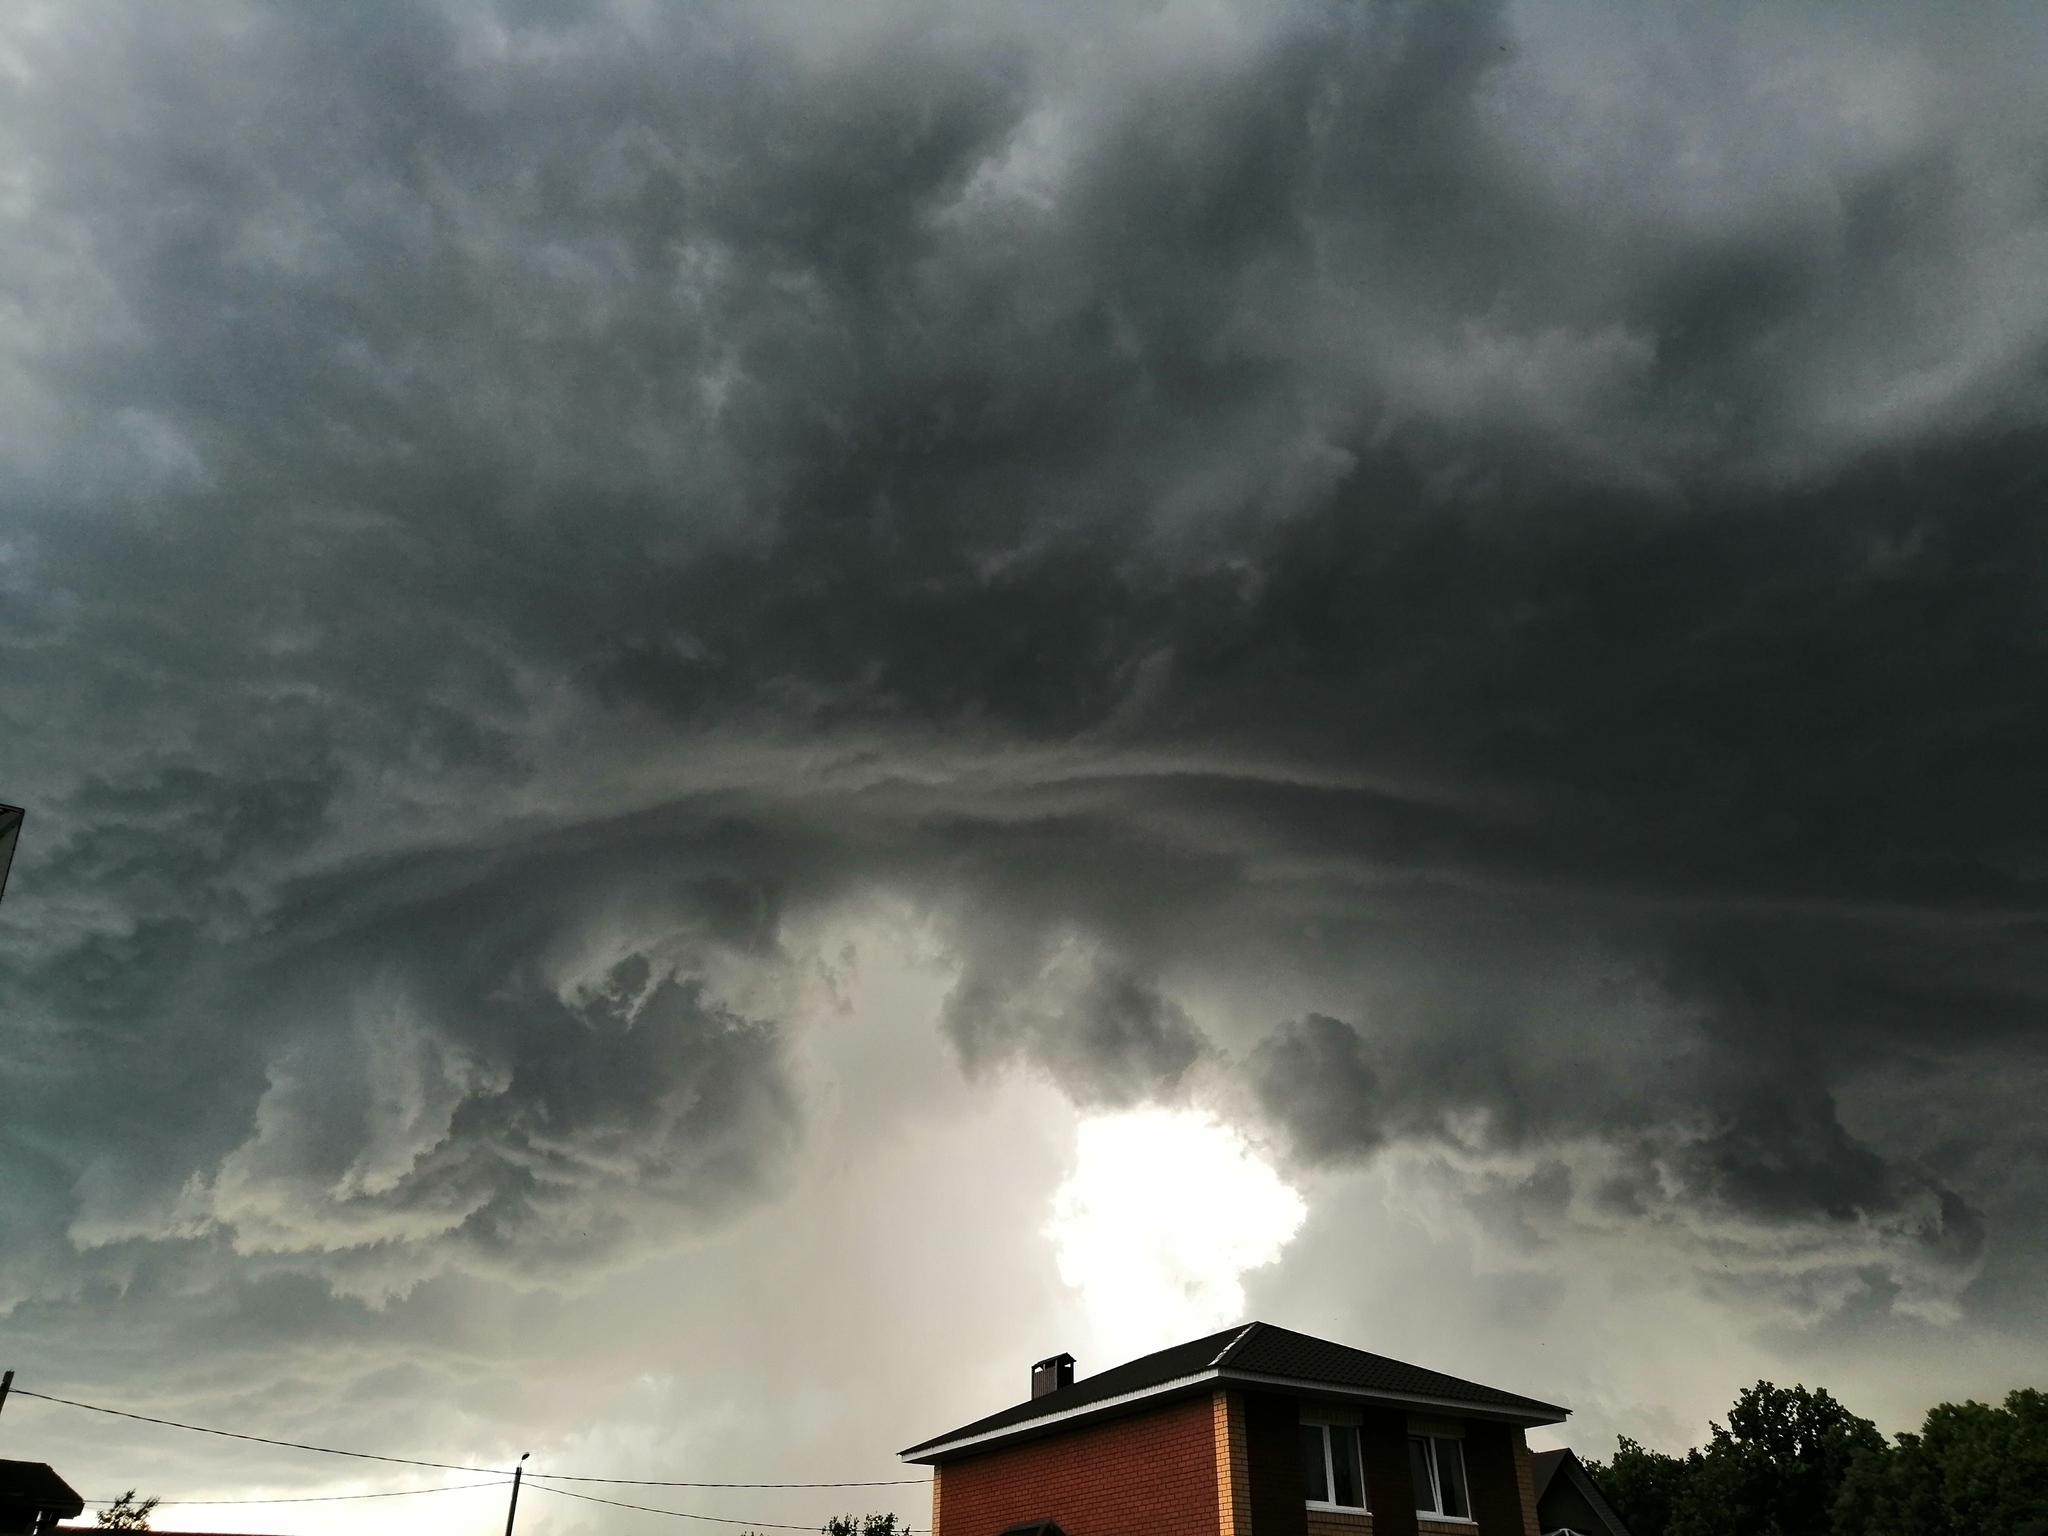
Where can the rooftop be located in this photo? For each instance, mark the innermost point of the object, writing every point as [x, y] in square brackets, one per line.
[1546, 1466]
[1250, 1355]
[34, 1485]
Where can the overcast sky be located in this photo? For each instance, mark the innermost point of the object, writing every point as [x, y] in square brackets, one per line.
[735, 714]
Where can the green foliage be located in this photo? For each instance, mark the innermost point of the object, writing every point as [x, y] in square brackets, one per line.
[1775, 1469]
[127, 1513]
[1643, 1485]
[867, 1525]
[1973, 1470]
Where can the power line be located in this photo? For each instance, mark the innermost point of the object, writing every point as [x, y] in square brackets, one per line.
[591, 1498]
[322, 1498]
[229, 1434]
[678, 1514]
[443, 1466]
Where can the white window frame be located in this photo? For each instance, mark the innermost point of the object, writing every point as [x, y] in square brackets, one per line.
[1436, 1486]
[1330, 1468]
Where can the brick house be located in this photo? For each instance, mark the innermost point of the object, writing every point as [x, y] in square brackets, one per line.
[1256, 1431]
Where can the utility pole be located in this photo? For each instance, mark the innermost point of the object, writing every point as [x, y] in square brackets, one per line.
[6, 1385]
[517, 1473]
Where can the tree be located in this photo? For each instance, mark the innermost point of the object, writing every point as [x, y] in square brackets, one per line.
[1973, 1470]
[867, 1525]
[1776, 1469]
[1642, 1485]
[127, 1513]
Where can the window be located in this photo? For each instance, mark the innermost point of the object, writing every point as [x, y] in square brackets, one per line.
[1438, 1466]
[1329, 1467]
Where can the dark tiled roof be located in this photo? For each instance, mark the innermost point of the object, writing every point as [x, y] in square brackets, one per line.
[1132, 1376]
[1268, 1351]
[1543, 1467]
[1547, 1466]
[34, 1484]
[1255, 1349]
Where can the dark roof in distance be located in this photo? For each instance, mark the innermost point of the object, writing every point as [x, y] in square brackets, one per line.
[35, 1485]
[10, 834]
[1251, 1352]
[1576, 1496]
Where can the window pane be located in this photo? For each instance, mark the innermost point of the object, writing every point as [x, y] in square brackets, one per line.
[1344, 1465]
[1450, 1476]
[1315, 1479]
[1418, 1469]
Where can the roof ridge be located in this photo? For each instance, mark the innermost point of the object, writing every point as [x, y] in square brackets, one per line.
[1238, 1338]
[1577, 1466]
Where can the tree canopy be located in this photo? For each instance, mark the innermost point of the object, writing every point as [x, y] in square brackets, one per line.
[1794, 1462]
[1973, 1470]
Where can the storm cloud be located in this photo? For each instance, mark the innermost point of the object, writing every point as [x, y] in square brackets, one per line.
[1450, 582]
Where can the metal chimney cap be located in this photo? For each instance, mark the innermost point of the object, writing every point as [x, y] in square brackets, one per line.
[1052, 1373]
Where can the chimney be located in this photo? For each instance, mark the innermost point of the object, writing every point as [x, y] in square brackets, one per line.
[1050, 1375]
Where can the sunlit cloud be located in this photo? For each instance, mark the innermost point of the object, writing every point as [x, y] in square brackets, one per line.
[1163, 1214]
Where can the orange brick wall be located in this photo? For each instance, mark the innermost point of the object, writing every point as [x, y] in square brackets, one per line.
[1153, 1473]
[1496, 1458]
[1233, 1466]
[1525, 1484]
[1331, 1522]
[1272, 1438]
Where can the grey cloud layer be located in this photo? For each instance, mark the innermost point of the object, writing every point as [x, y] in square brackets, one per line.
[1461, 575]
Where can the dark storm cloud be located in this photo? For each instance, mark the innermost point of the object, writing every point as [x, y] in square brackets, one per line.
[1747, 785]
[1104, 1034]
[492, 1060]
[1516, 535]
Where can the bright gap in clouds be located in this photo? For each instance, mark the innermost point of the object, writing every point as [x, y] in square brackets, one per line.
[1164, 1212]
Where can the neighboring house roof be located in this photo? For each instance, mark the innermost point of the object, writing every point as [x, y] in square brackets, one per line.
[1543, 1467]
[1252, 1355]
[33, 1485]
[1566, 1496]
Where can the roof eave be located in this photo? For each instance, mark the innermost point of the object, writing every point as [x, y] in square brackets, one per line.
[932, 1451]
[1528, 1413]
